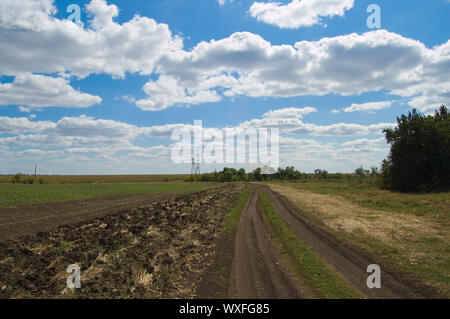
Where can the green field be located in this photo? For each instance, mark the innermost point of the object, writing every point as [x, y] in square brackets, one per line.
[70, 179]
[18, 194]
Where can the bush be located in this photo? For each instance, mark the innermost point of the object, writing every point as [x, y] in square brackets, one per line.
[336, 176]
[419, 159]
[17, 178]
[29, 180]
[360, 171]
[321, 174]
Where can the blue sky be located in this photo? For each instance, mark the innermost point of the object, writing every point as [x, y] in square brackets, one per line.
[104, 97]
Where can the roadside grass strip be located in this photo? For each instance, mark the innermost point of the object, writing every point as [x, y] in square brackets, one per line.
[232, 219]
[323, 281]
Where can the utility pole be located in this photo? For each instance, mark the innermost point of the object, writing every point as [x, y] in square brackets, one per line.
[195, 168]
[35, 172]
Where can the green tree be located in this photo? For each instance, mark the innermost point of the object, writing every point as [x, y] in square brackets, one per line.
[374, 171]
[241, 174]
[257, 174]
[419, 159]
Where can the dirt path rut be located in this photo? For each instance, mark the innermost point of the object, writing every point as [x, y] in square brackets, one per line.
[346, 261]
[258, 268]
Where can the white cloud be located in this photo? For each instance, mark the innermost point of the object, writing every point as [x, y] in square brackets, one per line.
[127, 98]
[17, 125]
[298, 13]
[368, 107]
[168, 91]
[222, 2]
[246, 64]
[42, 91]
[290, 112]
[24, 109]
[95, 145]
[33, 40]
[289, 121]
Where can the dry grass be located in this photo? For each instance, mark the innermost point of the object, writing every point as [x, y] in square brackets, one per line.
[140, 276]
[416, 244]
[345, 216]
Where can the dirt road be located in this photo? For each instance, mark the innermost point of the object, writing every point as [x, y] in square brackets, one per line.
[342, 258]
[260, 272]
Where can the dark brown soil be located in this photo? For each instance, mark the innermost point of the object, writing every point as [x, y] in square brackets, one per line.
[157, 251]
[215, 281]
[29, 219]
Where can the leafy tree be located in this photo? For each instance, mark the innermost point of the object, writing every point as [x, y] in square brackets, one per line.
[257, 174]
[419, 159]
[241, 174]
[360, 171]
[374, 171]
[17, 178]
[319, 173]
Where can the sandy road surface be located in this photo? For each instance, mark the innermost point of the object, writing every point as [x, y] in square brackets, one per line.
[258, 269]
[342, 258]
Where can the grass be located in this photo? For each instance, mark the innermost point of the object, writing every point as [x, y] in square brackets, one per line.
[73, 179]
[324, 282]
[15, 194]
[404, 233]
[366, 193]
[232, 218]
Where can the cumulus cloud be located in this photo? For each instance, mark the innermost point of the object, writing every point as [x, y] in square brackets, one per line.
[33, 40]
[73, 141]
[43, 91]
[246, 64]
[17, 125]
[24, 109]
[298, 13]
[168, 91]
[290, 112]
[368, 107]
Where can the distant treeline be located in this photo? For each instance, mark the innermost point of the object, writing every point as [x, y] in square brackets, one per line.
[289, 174]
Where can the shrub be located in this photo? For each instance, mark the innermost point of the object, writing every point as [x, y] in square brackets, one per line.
[29, 180]
[17, 178]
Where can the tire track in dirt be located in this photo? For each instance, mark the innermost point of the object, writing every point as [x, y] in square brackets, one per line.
[258, 268]
[348, 262]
